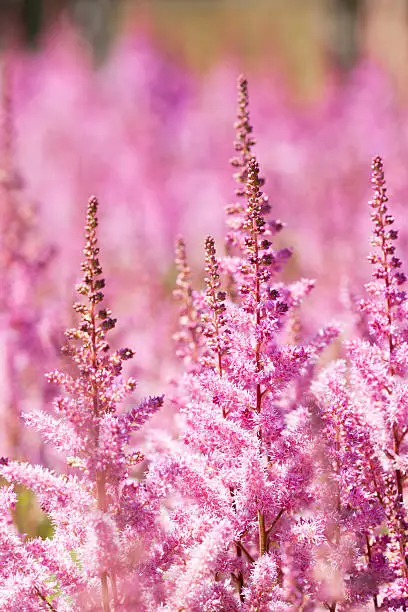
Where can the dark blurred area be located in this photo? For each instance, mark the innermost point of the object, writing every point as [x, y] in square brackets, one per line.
[296, 30]
[26, 20]
[300, 38]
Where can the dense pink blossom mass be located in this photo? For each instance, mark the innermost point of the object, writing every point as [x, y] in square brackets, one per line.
[254, 459]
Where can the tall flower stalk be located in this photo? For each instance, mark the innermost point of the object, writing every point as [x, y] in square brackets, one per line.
[244, 486]
[386, 311]
[94, 436]
[363, 408]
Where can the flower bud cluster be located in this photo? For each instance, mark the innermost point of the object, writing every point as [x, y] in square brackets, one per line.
[243, 146]
[215, 328]
[386, 264]
[386, 295]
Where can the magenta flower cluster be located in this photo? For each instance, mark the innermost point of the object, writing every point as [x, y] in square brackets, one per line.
[280, 484]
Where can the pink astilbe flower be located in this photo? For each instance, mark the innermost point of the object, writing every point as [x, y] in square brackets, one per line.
[263, 593]
[243, 147]
[195, 588]
[364, 425]
[23, 577]
[387, 296]
[350, 490]
[246, 459]
[380, 371]
[90, 511]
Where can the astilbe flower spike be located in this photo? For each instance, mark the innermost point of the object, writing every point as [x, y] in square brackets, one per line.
[386, 265]
[243, 147]
[383, 366]
[90, 512]
[364, 412]
[248, 471]
[351, 493]
[214, 321]
[244, 138]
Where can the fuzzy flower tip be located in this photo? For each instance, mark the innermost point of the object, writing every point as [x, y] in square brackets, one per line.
[386, 297]
[386, 264]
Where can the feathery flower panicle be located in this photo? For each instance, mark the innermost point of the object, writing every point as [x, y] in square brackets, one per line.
[351, 492]
[248, 467]
[99, 385]
[364, 426]
[23, 577]
[263, 593]
[215, 325]
[384, 357]
[91, 508]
